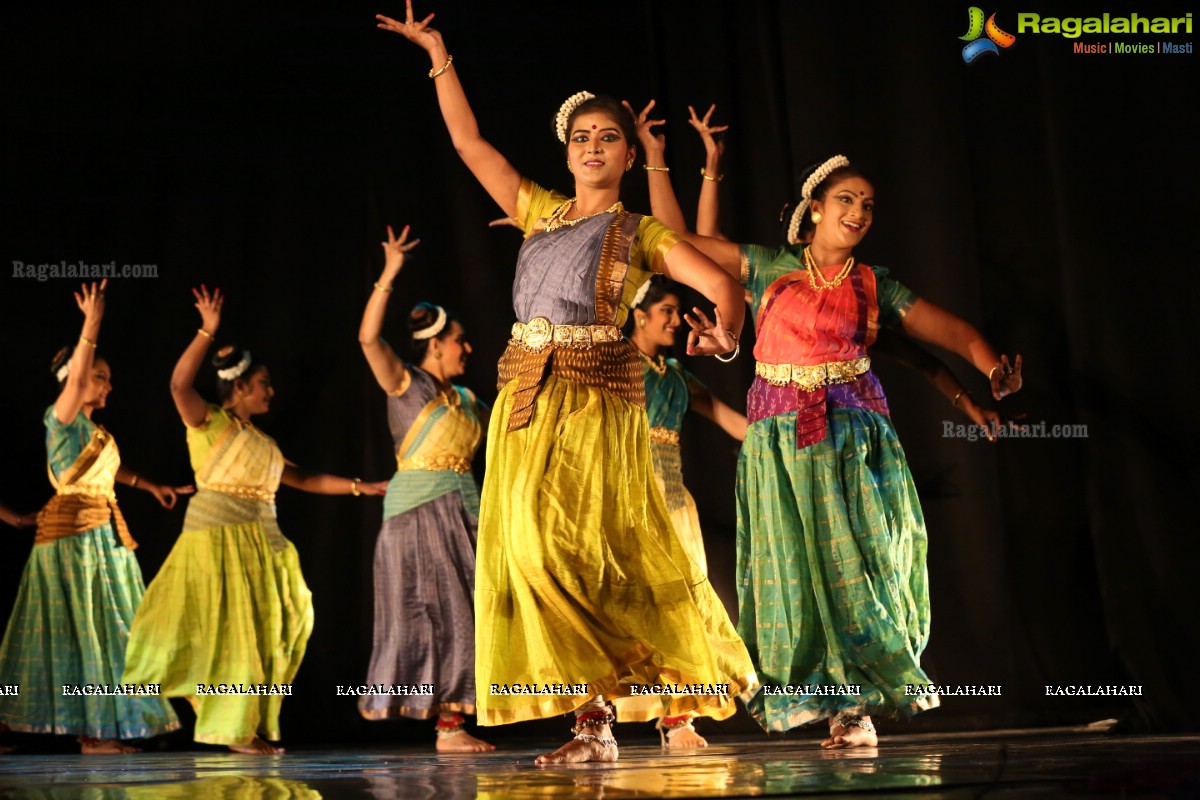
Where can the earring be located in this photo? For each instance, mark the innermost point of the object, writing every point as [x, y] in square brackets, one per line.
[569, 167]
[629, 165]
[816, 217]
[437, 354]
[642, 322]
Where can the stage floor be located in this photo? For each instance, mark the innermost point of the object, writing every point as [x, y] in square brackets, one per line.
[927, 766]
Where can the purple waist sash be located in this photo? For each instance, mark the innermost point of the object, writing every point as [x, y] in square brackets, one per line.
[765, 400]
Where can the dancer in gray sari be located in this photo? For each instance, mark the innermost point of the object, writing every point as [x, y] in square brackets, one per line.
[423, 660]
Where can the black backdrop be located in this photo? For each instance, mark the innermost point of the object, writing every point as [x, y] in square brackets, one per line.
[1041, 194]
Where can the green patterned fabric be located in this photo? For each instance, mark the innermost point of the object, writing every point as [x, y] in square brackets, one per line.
[833, 588]
[70, 625]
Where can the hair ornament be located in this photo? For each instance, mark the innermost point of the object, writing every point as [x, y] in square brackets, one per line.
[237, 370]
[815, 179]
[640, 297]
[63, 371]
[433, 329]
[566, 110]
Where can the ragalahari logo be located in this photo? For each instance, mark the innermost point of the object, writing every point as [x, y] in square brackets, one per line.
[976, 27]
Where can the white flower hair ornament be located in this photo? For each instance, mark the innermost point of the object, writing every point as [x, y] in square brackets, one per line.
[434, 328]
[237, 370]
[63, 371]
[640, 297]
[814, 180]
[566, 110]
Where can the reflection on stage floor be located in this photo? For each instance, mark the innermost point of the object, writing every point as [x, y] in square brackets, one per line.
[927, 766]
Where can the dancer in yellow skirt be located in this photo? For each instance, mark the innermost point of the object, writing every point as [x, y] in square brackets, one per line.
[226, 621]
[583, 590]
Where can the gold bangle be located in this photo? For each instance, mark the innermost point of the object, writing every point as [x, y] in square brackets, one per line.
[382, 288]
[133, 482]
[649, 168]
[446, 66]
[354, 486]
[961, 392]
[204, 333]
[993, 369]
[704, 174]
[88, 342]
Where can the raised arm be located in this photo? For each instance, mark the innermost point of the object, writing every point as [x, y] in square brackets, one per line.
[486, 163]
[663, 203]
[188, 402]
[707, 215]
[930, 323]
[388, 369]
[90, 299]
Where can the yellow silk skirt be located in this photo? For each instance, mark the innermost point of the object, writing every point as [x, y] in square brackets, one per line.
[580, 577]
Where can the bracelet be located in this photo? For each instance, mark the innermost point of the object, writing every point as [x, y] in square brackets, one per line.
[88, 342]
[204, 333]
[649, 168]
[704, 174]
[133, 482]
[737, 348]
[382, 288]
[446, 66]
[993, 369]
[961, 392]
[354, 486]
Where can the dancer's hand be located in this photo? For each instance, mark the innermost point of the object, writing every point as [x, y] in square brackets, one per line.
[653, 144]
[1007, 379]
[708, 133]
[373, 489]
[394, 251]
[167, 495]
[209, 305]
[504, 221]
[419, 33]
[708, 338]
[90, 299]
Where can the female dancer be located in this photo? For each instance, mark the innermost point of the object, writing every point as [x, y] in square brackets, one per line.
[226, 620]
[425, 556]
[670, 392]
[890, 342]
[831, 539]
[82, 583]
[582, 583]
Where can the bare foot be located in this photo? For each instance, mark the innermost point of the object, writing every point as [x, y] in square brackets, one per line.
[842, 737]
[685, 737]
[257, 747]
[105, 747]
[463, 742]
[577, 751]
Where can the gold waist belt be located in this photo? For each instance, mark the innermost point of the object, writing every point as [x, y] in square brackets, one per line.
[539, 333]
[72, 512]
[664, 436]
[812, 378]
[251, 492]
[442, 461]
[101, 491]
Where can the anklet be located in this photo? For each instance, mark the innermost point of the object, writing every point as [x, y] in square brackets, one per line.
[854, 721]
[603, 741]
[450, 727]
[594, 719]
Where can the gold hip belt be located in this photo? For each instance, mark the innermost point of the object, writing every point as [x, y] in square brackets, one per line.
[664, 436]
[539, 333]
[442, 461]
[811, 378]
[251, 492]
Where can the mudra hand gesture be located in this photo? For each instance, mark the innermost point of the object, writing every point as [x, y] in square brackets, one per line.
[209, 305]
[419, 33]
[394, 252]
[651, 142]
[708, 338]
[1005, 378]
[90, 300]
[708, 132]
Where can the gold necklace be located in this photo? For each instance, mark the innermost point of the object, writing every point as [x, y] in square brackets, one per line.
[814, 272]
[659, 366]
[558, 218]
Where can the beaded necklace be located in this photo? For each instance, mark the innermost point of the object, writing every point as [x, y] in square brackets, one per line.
[558, 218]
[815, 274]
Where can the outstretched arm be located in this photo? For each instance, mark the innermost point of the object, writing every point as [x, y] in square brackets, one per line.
[165, 495]
[321, 483]
[663, 203]
[10, 517]
[930, 323]
[188, 402]
[390, 372]
[486, 163]
[90, 300]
